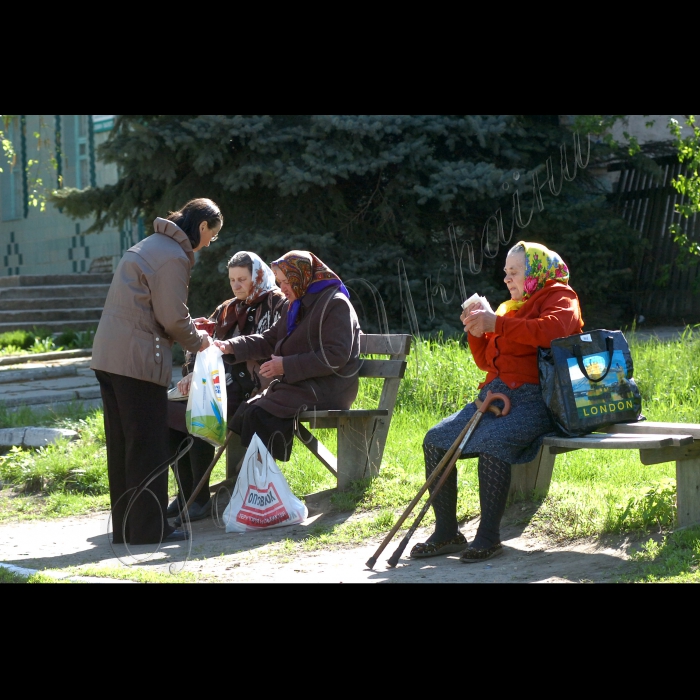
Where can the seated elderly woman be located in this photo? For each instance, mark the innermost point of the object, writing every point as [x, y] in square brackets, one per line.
[504, 344]
[314, 350]
[256, 305]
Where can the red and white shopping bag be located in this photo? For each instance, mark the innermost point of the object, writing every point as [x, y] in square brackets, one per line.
[262, 497]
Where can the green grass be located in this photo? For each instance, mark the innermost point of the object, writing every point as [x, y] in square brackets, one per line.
[7, 576]
[674, 559]
[22, 342]
[59, 417]
[136, 574]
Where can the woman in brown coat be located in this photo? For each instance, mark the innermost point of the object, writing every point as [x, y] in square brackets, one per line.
[256, 305]
[145, 312]
[314, 350]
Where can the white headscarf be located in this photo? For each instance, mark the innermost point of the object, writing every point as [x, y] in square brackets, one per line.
[263, 278]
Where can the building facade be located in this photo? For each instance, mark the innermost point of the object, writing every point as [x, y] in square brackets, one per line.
[54, 151]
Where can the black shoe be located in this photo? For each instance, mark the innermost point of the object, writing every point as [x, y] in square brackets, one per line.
[173, 509]
[177, 536]
[195, 512]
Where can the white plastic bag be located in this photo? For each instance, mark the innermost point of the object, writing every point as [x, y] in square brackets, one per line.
[205, 415]
[262, 498]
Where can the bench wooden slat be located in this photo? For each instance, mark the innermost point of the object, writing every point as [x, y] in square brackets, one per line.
[657, 443]
[617, 441]
[378, 344]
[670, 454]
[383, 368]
[308, 416]
[646, 426]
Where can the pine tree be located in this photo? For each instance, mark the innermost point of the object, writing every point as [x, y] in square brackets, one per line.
[393, 204]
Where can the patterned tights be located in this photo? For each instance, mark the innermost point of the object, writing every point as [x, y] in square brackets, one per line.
[494, 482]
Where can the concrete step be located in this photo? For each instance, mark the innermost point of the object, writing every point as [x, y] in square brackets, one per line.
[36, 316]
[39, 303]
[41, 280]
[85, 291]
[54, 326]
[50, 383]
[31, 374]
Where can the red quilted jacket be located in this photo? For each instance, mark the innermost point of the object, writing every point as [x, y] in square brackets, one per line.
[511, 351]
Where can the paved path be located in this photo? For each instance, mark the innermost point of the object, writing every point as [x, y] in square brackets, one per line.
[271, 557]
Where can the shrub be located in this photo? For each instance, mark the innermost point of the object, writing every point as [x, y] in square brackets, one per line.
[76, 339]
[19, 339]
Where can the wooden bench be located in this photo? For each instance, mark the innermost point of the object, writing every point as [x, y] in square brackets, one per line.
[361, 433]
[656, 442]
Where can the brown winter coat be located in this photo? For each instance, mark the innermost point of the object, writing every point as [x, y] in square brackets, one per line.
[321, 356]
[146, 308]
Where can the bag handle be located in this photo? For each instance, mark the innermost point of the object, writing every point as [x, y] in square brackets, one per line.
[579, 359]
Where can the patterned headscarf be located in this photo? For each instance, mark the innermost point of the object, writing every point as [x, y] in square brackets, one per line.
[306, 274]
[541, 265]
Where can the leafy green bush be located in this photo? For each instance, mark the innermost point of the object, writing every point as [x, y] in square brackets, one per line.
[76, 339]
[22, 340]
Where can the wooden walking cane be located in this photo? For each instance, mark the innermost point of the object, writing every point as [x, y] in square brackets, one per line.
[394, 558]
[436, 472]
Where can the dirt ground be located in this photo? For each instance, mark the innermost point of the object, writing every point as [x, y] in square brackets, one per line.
[215, 556]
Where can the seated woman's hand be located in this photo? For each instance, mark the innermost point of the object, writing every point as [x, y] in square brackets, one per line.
[224, 346]
[184, 384]
[479, 321]
[272, 368]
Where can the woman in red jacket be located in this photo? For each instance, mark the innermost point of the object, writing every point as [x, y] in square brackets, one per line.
[504, 344]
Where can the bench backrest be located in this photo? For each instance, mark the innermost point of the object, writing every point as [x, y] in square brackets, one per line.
[397, 347]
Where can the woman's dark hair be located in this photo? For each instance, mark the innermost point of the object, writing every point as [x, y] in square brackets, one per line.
[241, 259]
[191, 216]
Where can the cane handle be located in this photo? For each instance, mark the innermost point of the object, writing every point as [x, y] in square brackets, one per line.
[491, 396]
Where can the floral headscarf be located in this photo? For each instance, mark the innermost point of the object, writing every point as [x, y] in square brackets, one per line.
[306, 274]
[541, 265]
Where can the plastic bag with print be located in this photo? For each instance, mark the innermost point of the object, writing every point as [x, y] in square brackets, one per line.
[262, 498]
[205, 415]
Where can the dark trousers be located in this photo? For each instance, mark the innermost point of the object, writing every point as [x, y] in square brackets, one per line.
[136, 429]
[192, 466]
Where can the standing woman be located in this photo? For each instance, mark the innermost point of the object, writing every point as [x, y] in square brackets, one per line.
[504, 344]
[256, 305]
[145, 313]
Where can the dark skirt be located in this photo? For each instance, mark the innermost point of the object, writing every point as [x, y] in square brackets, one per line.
[515, 438]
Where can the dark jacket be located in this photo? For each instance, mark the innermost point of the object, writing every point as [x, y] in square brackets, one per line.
[242, 378]
[146, 308]
[321, 356]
